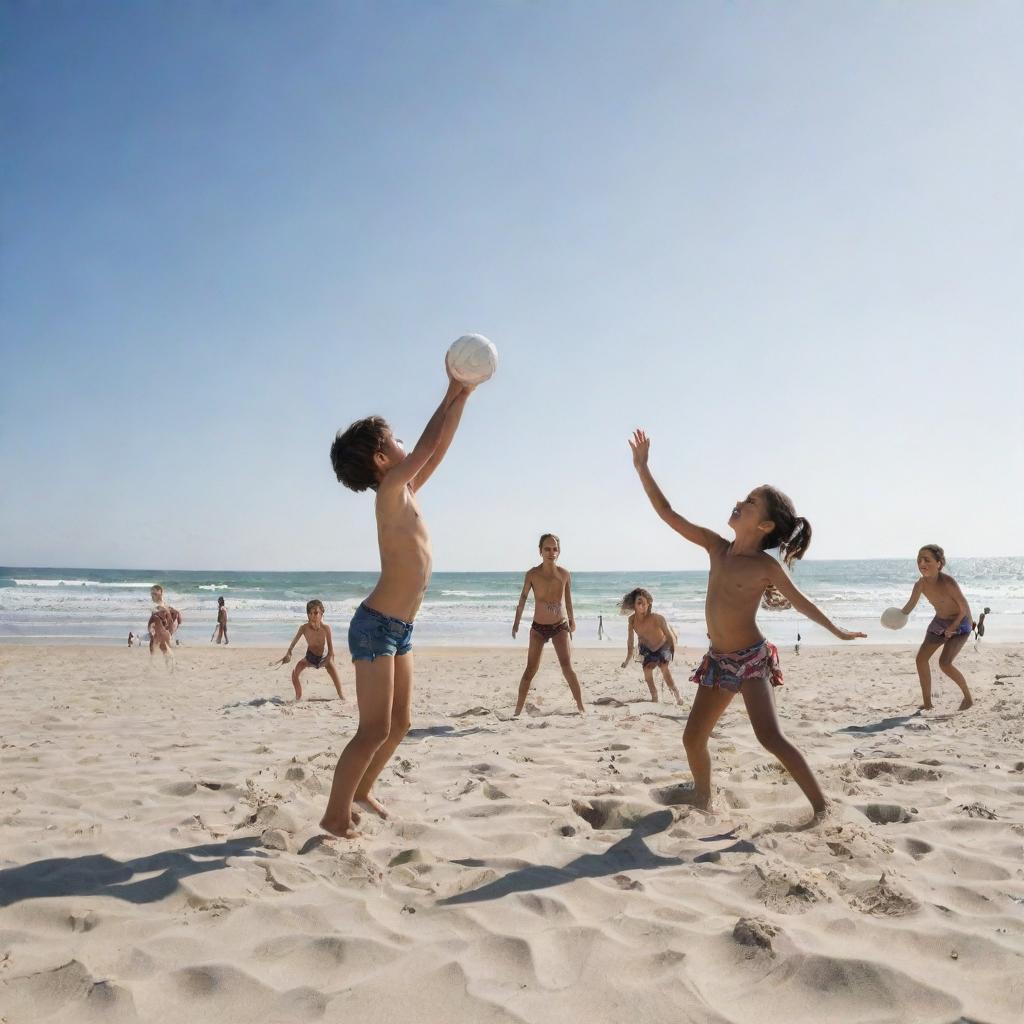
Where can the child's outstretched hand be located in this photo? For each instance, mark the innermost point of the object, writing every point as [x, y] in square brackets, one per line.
[640, 444]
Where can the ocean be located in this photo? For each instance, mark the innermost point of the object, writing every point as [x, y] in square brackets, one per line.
[466, 608]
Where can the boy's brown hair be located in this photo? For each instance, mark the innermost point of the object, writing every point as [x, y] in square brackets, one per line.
[628, 603]
[353, 451]
[310, 605]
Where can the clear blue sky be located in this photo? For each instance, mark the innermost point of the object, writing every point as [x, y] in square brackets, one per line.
[788, 239]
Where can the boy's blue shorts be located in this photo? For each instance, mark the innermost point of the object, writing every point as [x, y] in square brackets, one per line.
[372, 634]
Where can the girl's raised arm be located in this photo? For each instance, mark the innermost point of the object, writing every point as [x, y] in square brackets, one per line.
[640, 444]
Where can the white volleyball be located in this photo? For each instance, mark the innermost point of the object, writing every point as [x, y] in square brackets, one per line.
[893, 618]
[472, 359]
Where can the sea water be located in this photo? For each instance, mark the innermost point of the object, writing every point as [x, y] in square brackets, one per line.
[465, 608]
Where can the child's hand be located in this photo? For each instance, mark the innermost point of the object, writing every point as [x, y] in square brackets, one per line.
[845, 634]
[453, 382]
[948, 633]
[625, 663]
[572, 627]
[640, 444]
[286, 658]
[515, 629]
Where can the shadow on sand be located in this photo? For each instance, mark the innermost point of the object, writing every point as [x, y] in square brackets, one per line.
[99, 875]
[881, 725]
[628, 854]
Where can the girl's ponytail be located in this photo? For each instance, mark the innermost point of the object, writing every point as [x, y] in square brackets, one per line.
[798, 543]
[791, 535]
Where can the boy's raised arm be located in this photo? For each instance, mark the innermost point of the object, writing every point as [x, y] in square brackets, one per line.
[640, 444]
[451, 424]
[426, 447]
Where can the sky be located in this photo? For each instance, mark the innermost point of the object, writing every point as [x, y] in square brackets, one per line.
[787, 239]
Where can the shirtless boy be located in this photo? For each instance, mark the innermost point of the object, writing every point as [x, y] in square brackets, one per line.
[552, 619]
[368, 455]
[656, 637]
[949, 630]
[319, 653]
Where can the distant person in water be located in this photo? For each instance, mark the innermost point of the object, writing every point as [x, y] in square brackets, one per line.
[949, 629]
[131, 638]
[740, 660]
[163, 622]
[319, 653]
[220, 634]
[655, 636]
[552, 619]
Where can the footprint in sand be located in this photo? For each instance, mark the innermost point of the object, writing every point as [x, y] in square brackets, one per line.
[891, 769]
[887, 814]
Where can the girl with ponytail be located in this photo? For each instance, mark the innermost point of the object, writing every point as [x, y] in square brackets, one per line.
[740, 660]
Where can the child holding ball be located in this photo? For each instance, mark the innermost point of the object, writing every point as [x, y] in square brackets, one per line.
[950, 629]
[368, 456]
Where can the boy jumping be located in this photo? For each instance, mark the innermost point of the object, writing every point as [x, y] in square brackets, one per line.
[367, 455]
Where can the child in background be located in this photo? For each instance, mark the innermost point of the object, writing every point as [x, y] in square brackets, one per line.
[950, 628]
[319, 653]
[163, 622]
[656, 638]
[552, 619]
[220, 633]
[739, 659]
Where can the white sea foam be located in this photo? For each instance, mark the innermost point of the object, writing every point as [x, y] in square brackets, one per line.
[126, 585]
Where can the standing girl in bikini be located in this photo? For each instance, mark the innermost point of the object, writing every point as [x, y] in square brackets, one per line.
[950, 628]
[740, 660]
[551, 587]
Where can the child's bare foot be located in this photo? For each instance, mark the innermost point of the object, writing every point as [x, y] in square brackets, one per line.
[925, 707]
[966, 702]
[371, 803]
[341, 830]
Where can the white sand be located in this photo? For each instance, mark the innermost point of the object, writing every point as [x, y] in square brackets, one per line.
[135, 884]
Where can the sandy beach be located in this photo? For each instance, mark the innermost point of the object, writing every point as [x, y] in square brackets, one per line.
[160, 861]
